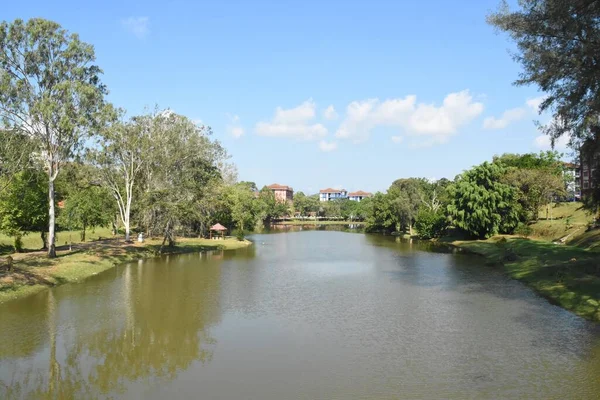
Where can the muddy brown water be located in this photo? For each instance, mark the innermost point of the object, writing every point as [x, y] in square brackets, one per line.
[298, 315]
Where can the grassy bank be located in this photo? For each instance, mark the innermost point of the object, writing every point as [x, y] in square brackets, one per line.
[317, 222]
[33, 272]
[566, 275]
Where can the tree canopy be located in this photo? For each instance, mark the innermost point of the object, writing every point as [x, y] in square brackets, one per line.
[50, 91]
[558, 44]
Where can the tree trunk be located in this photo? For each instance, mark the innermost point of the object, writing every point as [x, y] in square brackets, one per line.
[165, 238]
[83, 234]
[52, 217]
[43, 235]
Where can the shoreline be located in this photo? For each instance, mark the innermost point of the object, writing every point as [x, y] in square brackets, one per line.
[566, 276]
[34, 272]
[317, 222]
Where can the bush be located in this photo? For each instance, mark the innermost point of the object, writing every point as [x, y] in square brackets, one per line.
[240, 236]
[524, 230]
[18, 244]
[430, 224]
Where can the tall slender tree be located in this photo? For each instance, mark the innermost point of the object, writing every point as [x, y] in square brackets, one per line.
[50, 90]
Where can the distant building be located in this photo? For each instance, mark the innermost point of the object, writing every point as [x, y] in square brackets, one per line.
[332, 194]
[282, 193]
[590, 158]
[359, 195]
[574, 183]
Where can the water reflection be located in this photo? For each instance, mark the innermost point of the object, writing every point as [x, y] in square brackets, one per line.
[157, 324]
[300, 315]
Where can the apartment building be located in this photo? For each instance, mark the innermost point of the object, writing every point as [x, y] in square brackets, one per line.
[339, 194]
[590, 158]
[573, 171]
[359, 195]
[332, 194]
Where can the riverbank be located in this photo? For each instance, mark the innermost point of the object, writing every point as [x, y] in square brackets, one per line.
[567, 276]
[33, 271]
[317, 222]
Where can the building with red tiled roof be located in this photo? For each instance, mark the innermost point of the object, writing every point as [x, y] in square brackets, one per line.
[332, 194]
[282, 193]
[358, 195]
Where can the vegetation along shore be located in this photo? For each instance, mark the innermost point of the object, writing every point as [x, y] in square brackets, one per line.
[32, 271]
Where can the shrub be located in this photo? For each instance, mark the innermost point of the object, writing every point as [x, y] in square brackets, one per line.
[240, 235]
[524, 230]
[430, 224]
[18, 244]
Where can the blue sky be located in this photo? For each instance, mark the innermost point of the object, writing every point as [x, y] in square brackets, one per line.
[317, 94]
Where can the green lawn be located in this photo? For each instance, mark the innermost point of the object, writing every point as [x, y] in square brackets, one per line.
[33, 241]
[568, 220]
[566, 275]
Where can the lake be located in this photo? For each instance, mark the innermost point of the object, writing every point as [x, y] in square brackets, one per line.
[298, 315]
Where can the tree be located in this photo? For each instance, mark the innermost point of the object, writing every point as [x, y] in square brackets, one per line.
[481, 205]
[181, 178]
[240, 201]
[558, 43]
[406, 198]
[546, 160]
[15, 155]
[381, 217]
[124, 151]
[50, 90]
[537, 187]
[430, 224]
[87, 207]
[23, 207]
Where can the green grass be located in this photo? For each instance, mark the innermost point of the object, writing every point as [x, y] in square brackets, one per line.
[568, 276]
[568, 220]
[34, 271]
[317, 222]
[33, 241]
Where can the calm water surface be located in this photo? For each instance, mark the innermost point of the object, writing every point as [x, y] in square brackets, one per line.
[299, 315]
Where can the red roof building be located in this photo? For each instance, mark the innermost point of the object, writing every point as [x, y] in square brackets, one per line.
[282, 193]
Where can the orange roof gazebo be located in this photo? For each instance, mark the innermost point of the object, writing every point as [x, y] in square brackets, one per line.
[218, 228]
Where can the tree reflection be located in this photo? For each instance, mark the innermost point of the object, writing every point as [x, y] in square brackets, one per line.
[160, 327]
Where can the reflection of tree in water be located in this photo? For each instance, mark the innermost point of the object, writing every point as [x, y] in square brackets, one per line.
[160, 329]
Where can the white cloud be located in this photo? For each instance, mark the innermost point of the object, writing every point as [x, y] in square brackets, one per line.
[543, 142]
[397, 139]
[435, 124]
[139, 26]
[330, 113]
[235, 128]
[508, 116]
[237, 131]
[535, 103]
[327, 146]
[293, 123]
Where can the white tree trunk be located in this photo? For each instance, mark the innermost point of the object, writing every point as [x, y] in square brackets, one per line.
[51, 217]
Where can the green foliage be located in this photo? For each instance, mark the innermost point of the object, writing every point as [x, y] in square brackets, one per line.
[50, 90]
[240, 202]
[557, 45]
[240, 235]
[405, 197]
[18, 243]
[524, 230]
[546, 160]
[23, 204]
[481, 205]
[381, 217]
[536, 188]
[430, 224]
